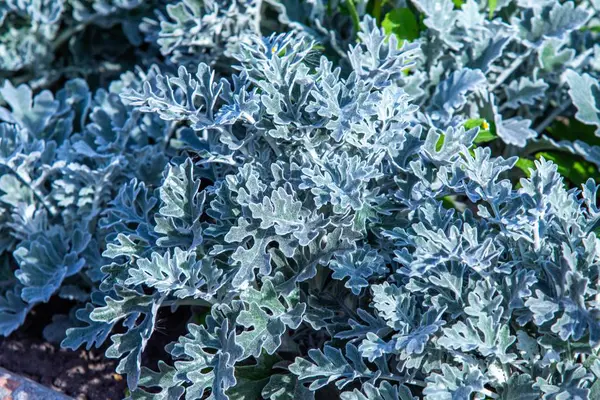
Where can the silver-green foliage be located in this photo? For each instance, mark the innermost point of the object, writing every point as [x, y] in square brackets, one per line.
[331, 222]
[323, 218]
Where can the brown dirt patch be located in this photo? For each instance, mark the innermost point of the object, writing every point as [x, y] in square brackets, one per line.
[82, 374]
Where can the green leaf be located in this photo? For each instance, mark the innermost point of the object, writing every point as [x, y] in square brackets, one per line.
[448, 202]
[571, 166]
[353, 14]
[402, 23]
[572, 129]
[486, 133]
[524, 164]
[440, 143]
[492, 4]
[474, 122]
[595, 28]
[484, 136]
[374, 8]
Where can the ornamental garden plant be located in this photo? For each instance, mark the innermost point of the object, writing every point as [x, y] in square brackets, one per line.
[363, 200]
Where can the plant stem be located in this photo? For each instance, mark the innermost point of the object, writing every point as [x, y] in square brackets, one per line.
[188, 302]
[24, 182]
[377, 11]
[550, 118]
[508, 71]
[537, 145]
[86, 279]
[68, 34]
[353, 15]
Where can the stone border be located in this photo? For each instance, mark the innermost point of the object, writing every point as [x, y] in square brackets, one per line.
[15, 387]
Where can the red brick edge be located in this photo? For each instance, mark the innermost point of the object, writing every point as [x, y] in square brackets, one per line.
[15, 387]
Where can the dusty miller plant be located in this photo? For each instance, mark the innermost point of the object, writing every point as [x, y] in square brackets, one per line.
[360, 224]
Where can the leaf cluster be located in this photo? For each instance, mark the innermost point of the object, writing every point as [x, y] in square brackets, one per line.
[388, 200]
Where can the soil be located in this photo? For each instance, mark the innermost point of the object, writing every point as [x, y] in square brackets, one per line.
[82, 374]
